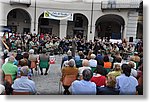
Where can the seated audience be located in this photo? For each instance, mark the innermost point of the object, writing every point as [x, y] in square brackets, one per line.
[109, 89]
[116, 70]
[10, 68]
[33, 59]
[84, 86]
[66, 72]
[125, 82]
[99, 79]
[133, 69]
[24, 84]
[66, 58]
[92, 61]
[85, 64]
[44, 62]
[23, 63]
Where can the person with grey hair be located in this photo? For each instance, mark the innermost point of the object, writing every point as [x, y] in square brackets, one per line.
[68, 71]
[24, 84]
[84, 86]
[10, 68]
[33, 59]
[14, 55]
[85, 64]
[71, 63]
[92, 61]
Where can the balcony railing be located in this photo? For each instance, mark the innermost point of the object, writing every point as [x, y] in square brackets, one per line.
[119, 5]
[22, 2]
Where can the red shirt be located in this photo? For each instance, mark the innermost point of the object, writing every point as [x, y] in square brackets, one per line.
[42, 36]
[99, 80]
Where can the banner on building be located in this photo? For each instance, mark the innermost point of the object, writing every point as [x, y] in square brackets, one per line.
[58, 15]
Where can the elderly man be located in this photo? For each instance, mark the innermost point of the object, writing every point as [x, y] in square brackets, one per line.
[84, 87]
[10, 68]
[24, 84]
[85, 64]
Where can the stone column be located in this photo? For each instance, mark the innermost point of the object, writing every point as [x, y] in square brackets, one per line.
[62, 28]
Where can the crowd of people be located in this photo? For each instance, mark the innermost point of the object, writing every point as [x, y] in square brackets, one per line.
[99, 67]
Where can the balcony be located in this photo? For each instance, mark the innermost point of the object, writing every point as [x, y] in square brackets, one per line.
[114, 5]
[20, 2]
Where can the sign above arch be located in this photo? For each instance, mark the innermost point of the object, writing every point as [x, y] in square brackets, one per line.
[58, 15]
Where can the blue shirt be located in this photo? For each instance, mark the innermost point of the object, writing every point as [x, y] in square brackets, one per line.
[126, 85]
[83, 88]
[23, 84]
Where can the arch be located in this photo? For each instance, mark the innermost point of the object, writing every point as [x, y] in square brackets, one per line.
[19, 20]
[109, 25]
[46, 25]
[78, 27]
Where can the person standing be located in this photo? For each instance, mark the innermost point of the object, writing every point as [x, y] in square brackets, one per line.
[74, 45]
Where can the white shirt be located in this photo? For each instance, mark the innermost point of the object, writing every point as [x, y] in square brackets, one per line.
[81, 69]
[92, 63]
[126, 85]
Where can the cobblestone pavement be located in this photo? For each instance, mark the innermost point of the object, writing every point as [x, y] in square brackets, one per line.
[49, 84]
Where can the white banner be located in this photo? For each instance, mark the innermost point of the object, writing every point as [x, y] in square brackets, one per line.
[58, 15]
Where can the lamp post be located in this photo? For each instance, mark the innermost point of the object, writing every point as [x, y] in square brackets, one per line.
[91, 18]
[34, 17]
